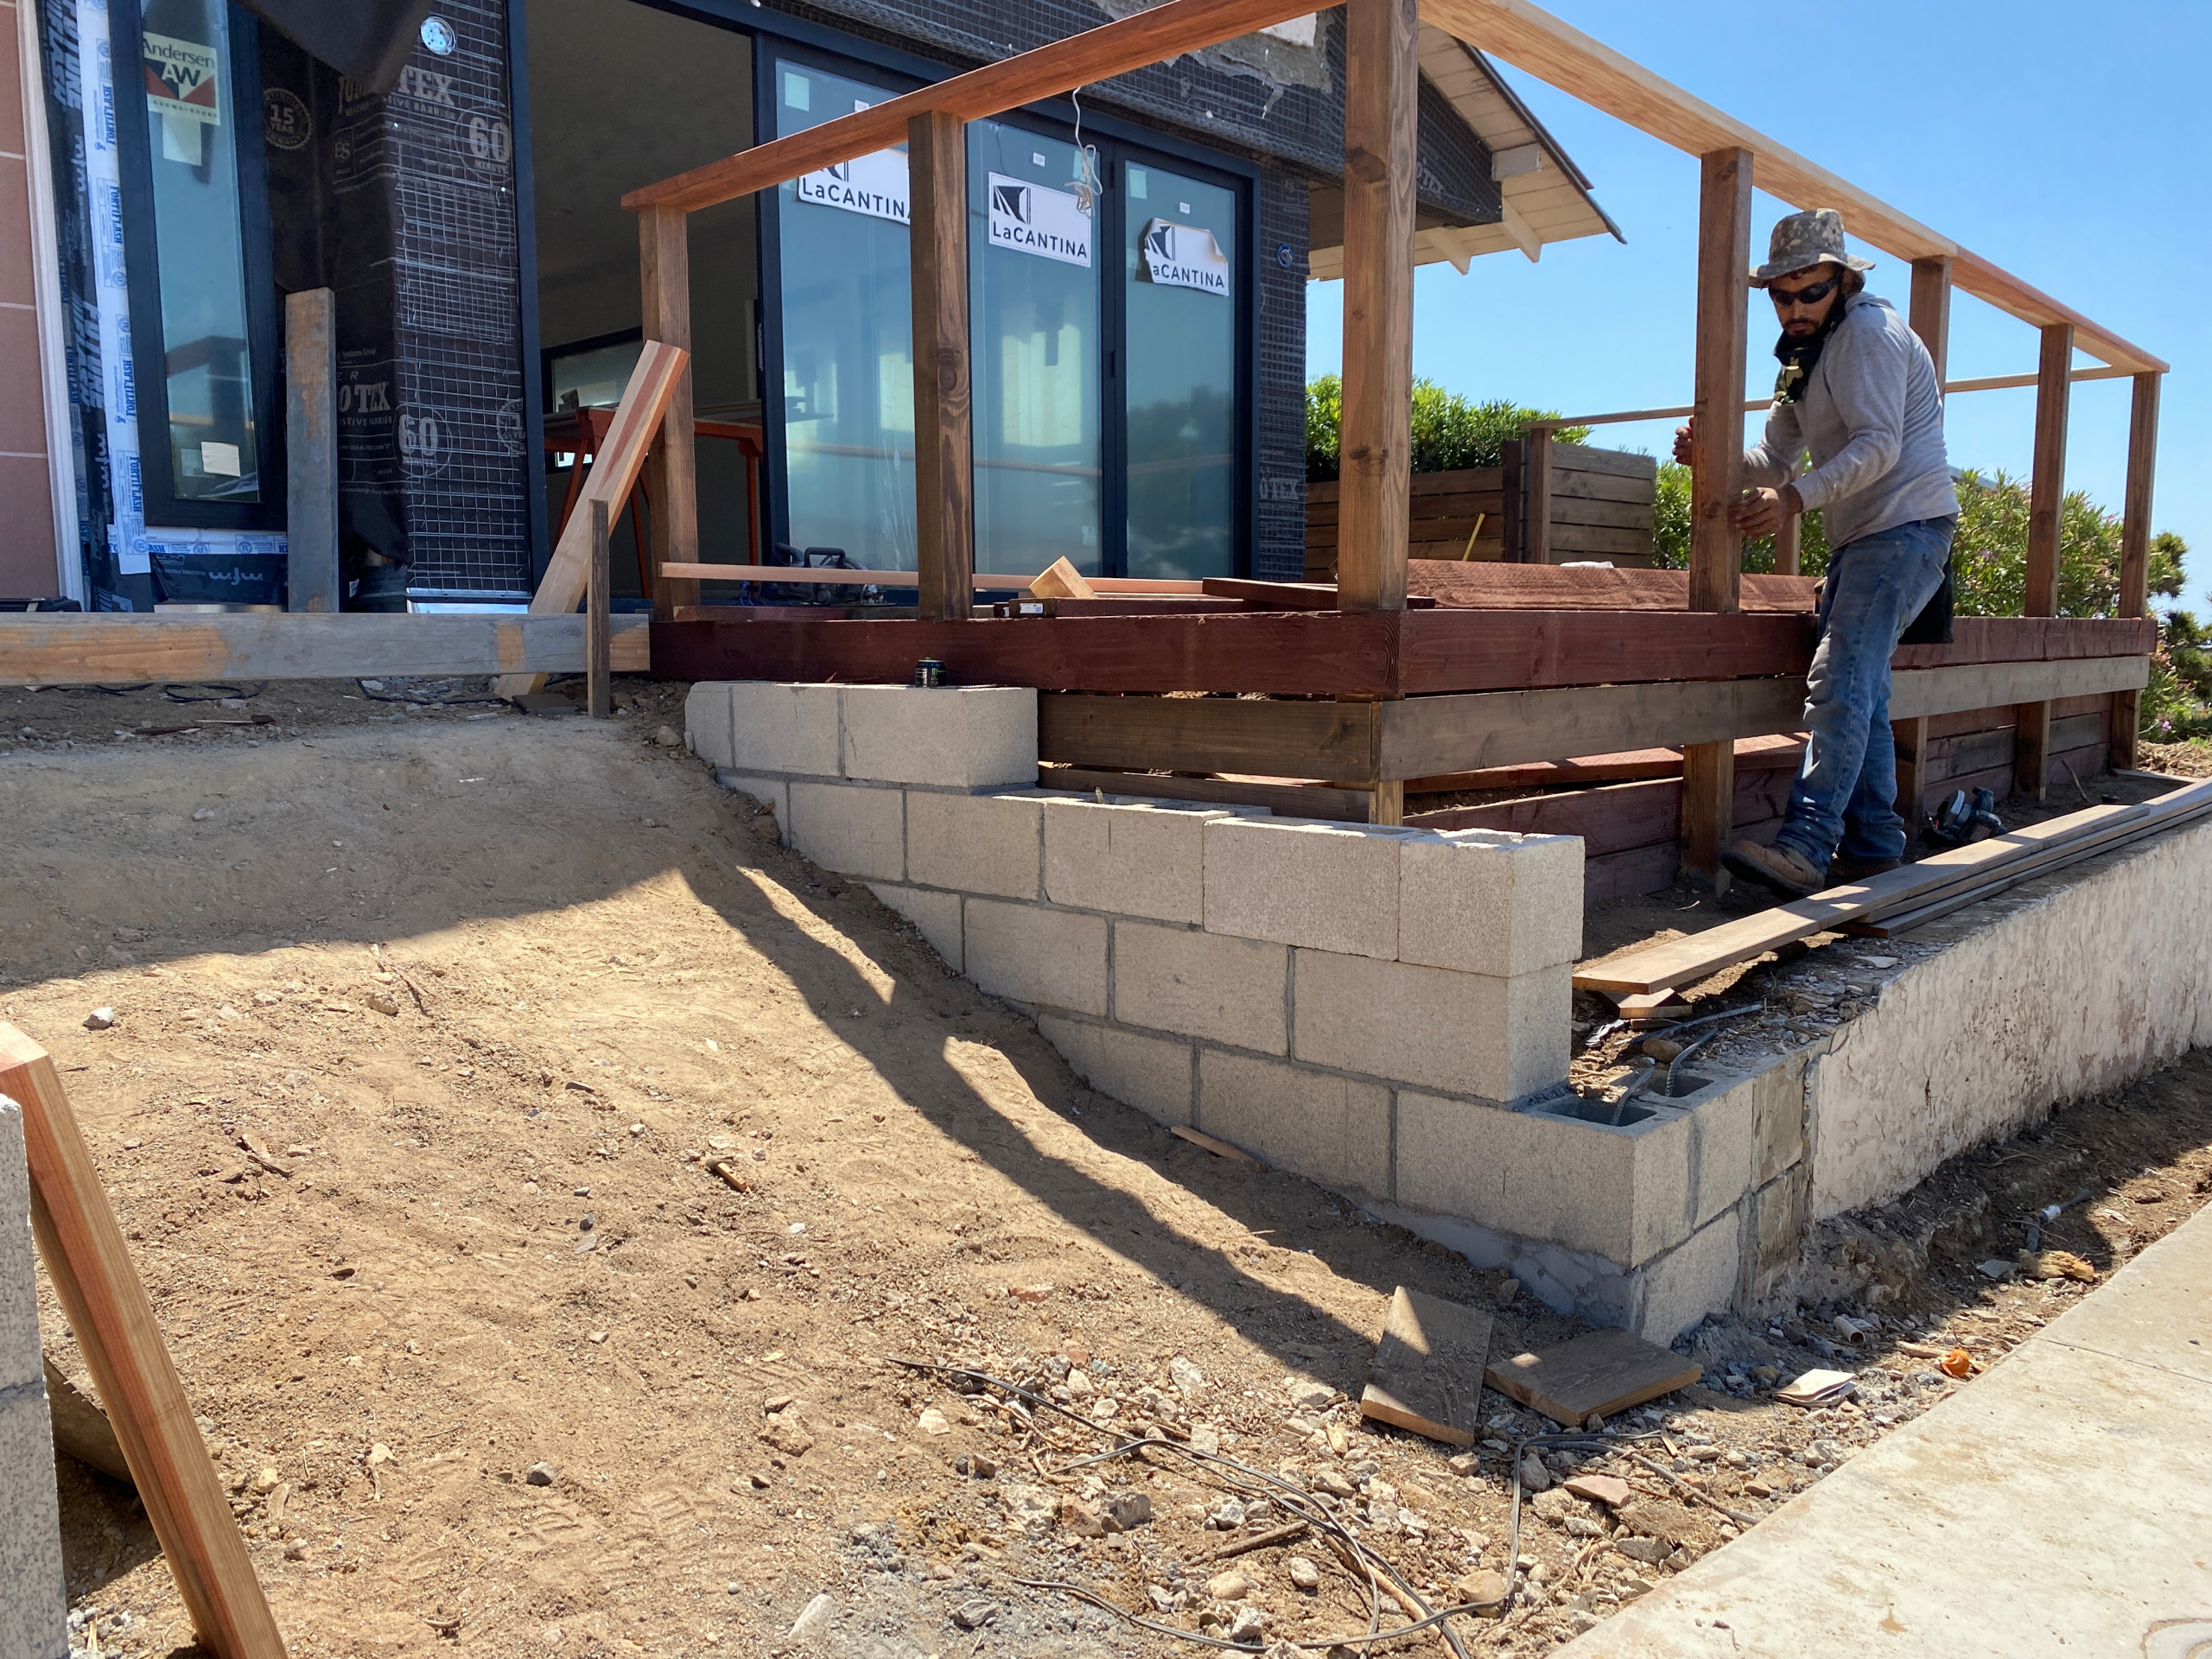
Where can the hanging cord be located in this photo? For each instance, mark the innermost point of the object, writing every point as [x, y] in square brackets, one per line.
[1090, 185]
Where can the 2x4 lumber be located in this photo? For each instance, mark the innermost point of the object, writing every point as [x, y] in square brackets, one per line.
[1381, 84]
[1531, 39]
[652, 387]
[665, 273]
[599, 636]
[1910, 737]
[1151, 36]
[1537, 474]
[311, 451]
[1290, 800]
[108, 648]
[981, 581]
[2046, 515]
[1789, 544]
[1754, 405]
[944, 502]
[1451, 650]
[2135, 547]
[1204, 735]
[113, 1322]
[1724, 251]
[1931, 309]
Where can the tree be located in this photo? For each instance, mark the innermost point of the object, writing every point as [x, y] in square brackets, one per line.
[1450, 433]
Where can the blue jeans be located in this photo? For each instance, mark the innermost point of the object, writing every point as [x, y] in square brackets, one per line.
[1846, 797]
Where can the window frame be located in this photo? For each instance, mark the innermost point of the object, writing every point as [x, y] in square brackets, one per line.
[162, 507]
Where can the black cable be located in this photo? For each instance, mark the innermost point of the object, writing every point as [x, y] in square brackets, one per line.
[210, 692]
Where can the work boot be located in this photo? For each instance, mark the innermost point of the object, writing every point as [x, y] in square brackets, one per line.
[1842, 871]
[1782, 868]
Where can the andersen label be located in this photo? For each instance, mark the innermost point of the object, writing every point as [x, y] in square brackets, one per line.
[1033, 219]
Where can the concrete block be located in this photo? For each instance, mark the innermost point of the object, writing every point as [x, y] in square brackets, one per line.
[1211, 985]
[1331, 886]
[935, 915]
[1333, 1129]
[1487, 902]
[1134, 861]
[1780, 1213]
[851, 828]
[1695, 1278]
[1153, 1074]
[1778, 1124]
[976, 843]
[1464, 1034]
[780, 727]
[951, 737]
[1621, 1193]
[707, 722]
[1056, 959]
[32, 1603]
[774, 792]
[1723, 1130]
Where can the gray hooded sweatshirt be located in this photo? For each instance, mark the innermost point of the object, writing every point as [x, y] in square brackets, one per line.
[1872, 417]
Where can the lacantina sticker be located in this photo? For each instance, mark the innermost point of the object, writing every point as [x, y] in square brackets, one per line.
[1033, 219]
[874, 184]
[1185, 256]
[180, 81]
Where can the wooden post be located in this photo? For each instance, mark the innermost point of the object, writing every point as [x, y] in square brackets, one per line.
[1912, 737]
[1382, 81]
[1789, 545]
[944, 477]
[599, 622]
[312, 581]
[1539, 475]
[2046, 511]
[1724, 260]
[671, 468]
[2135, 550]
[1931, 320]
[114, 1325]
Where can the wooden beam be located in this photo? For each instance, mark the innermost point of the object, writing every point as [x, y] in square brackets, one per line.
[599, 635]
[311, 452]
[1151, 36]
[108, 648]
[108, 1312]
[2046, 517]
[1724, 254]
[1789, 545]
[1381, 83]
[1911, 739]
[1538, 473]
[1931, 309]
[1260, 739]
[672, 480]
[652, 387]
[1531, 39]
[944, 477]
[2135, 550]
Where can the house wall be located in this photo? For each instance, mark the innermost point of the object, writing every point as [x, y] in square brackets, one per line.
[29, 567]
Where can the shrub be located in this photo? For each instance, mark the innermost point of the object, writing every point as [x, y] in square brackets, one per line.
[1450, 433]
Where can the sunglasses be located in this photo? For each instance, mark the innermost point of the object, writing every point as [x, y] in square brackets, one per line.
[1810, 295]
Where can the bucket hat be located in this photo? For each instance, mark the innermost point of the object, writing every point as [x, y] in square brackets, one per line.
[1803, 240]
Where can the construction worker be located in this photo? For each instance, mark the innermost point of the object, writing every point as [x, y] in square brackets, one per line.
[1859, 391]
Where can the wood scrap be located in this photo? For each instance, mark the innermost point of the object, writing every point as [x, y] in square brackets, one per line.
[1220, 1148]
[81, 1429]
[1061, 579]
[1596, 1375]
[1427, 1375]
[1267, 1540]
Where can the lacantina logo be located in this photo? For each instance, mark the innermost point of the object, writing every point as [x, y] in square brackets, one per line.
[1032, 218]
[874, 185]
[1185, 256]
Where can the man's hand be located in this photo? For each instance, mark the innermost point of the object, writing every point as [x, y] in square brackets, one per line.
[1759, 514]
[1682, 442]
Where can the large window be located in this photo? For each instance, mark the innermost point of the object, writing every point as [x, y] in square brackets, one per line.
[200, 304]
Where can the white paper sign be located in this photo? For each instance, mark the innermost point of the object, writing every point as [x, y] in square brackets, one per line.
[1185, 256]
[874, 184]
[1033, 219]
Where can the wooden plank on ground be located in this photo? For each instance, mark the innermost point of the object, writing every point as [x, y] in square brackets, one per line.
[109, 648]
[1427, 1375]
[653, 386]
[1596, 1375]
[114, 1325]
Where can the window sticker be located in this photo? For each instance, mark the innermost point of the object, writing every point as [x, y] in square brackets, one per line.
[1185, 256]
[180, 81]
[874, 185]
[1032, 218]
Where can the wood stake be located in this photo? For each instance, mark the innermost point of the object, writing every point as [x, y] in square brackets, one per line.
[2135, 550]
[671, 473]
[599, 629]
[2046, 511]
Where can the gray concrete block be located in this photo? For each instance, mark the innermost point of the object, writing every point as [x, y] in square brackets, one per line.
[851, 828]
[775, 793]
[976, 843]
[951, 737]
[1484, 901]
[1153, 1074]
[1780, 1213]
[32, 1602]
[1331, 886]
[1723, 1132]
[1463, 1033]
[783, 727]
[1052, 958]
[1620, 1194]
[707, 722]
[1135, 861]
[1697, 1277]
[1230, 991]
[1333, 1129]
[935, 915]
[1778, 1126]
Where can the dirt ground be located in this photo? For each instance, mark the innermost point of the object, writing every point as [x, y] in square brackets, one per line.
[490, 998]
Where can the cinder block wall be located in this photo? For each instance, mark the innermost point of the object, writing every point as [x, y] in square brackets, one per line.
[32, 1605]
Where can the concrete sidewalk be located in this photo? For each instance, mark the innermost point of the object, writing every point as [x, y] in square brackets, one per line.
[2061, 1504]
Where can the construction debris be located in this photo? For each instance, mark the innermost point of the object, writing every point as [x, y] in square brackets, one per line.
[1596, 1376]
[1427, 1375]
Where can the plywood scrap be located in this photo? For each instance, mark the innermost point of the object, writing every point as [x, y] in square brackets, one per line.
[1427, 1375]
[81, 1429]
[1595, 1374]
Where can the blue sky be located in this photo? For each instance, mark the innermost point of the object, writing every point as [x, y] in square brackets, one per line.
[2068, 144]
